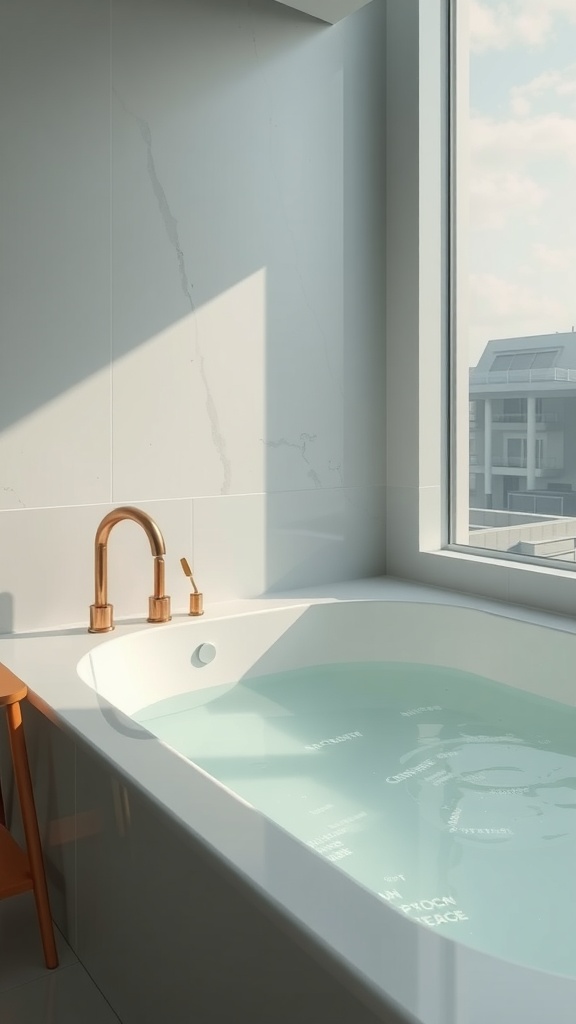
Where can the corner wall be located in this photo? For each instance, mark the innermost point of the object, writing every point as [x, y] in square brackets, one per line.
[191, 317]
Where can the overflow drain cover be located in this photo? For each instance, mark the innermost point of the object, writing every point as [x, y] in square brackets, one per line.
[206, 653]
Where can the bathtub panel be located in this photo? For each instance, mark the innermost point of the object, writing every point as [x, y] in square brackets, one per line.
[166, 933]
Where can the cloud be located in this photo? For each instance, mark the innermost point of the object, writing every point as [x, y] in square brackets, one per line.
[503, 308]
[556, 85]
[498, 196]
[508, 300]
[521, 164]
[530, 139]
[516, 22]
[554, 258]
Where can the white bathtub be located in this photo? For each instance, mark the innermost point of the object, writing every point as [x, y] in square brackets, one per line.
[397, 950]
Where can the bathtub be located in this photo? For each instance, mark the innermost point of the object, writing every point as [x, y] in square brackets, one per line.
[406, 949]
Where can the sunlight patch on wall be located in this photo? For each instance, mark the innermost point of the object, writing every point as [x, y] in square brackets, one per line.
[189, 404]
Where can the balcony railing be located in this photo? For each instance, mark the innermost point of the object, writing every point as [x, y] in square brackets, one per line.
[516, 462]
[556, 373]
[520, 417]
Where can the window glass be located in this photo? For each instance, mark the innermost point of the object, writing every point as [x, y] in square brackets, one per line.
[522, 362]
[501, 363]
[515, 266]
[543, 359]
[514, 408]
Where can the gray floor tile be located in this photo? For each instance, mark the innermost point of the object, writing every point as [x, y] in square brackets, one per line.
[21, 956]
[65, 996]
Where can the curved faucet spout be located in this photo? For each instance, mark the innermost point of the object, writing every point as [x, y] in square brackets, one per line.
[101, 613]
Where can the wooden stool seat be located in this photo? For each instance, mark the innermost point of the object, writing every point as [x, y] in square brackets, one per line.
[12, 689]
[21, 871]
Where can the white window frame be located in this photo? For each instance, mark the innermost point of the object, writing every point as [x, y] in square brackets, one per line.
[420, 317]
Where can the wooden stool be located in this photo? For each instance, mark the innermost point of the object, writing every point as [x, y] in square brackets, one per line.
[20, 871]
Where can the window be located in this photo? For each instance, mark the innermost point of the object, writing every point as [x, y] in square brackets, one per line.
[432, 404]
[513, 265]
[544, 359]
[514, 408]
[524, 361]
[517, 452]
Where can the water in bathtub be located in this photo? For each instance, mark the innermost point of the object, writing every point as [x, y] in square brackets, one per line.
[449, 795]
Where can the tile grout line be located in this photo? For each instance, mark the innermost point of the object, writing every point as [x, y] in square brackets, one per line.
[46, 973]
[59, 971]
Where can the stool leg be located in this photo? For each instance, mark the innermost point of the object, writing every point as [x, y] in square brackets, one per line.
[30, 822]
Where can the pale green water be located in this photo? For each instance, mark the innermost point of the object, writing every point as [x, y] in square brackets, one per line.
[451, 796]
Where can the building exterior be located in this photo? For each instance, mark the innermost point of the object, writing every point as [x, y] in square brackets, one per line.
[523, 426]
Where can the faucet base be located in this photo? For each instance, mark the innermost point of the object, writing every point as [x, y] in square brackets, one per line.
[196, 604]
[159, 609]
[101, 620]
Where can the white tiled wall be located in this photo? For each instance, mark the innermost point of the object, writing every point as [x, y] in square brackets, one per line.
[191, 215]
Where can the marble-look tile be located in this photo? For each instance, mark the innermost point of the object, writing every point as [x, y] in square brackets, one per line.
[54, 223]
[402, 435]
[68, 428]
[305, 339]
[431, 518]
[402, 531]
[229, 552]
[402, 245]
[364, 293]
[155, 450]
[22, 959]
[305, 538]
[247, 545]
[366, 513]
[324, 535]
[47, 566]
[222, 277]
[189, 404]
[414, 517]
[224, 341]
[48, 563]
[228, 266]
[297, 459]
[61, 997]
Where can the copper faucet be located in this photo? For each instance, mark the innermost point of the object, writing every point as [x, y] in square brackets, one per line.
[101, 620]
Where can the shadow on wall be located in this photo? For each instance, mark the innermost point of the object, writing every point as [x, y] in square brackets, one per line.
[325, 383]
[121, 205]
[193, 280]
[6, 612]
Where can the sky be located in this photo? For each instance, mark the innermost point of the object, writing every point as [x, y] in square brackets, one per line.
[522, 255]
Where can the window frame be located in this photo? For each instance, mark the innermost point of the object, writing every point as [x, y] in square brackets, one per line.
[427, 429]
